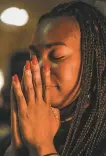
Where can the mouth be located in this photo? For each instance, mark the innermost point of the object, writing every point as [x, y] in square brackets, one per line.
[53, 86]
[56, 86]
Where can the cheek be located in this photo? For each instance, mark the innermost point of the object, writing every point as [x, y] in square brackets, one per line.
[69, 72]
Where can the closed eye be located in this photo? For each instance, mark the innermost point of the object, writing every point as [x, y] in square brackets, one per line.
[55, 57]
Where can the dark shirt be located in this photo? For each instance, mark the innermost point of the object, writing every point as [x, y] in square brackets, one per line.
[59, 141]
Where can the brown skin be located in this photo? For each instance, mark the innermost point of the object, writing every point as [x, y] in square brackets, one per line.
[65, 72]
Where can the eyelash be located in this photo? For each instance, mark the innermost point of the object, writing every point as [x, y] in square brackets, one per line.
[58, 58]
[53, 58]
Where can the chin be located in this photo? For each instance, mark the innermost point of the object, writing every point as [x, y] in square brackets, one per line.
[56, 103]
[57, 99]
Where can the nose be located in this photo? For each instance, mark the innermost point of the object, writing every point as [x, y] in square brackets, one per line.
[46, 61]
[45, 64]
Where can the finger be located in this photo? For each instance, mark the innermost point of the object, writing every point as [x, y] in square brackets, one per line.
[28, 85]
[21, 103]
[36, 77]
[22, 84]
[16, 139]
[47, 84]
[23, 88]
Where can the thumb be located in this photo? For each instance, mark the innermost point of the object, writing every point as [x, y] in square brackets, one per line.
[56, 113]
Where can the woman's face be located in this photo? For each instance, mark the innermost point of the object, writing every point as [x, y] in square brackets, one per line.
[57, 43]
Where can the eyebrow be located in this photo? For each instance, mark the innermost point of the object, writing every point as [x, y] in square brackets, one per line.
[47, 46]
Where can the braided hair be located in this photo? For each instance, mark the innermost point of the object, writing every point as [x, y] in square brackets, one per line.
[88, 127]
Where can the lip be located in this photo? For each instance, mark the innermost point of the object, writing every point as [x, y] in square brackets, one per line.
[50, 86]
[57, 86]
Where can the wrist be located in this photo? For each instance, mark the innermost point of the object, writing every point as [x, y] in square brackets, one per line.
[43, 150]
[46, 149]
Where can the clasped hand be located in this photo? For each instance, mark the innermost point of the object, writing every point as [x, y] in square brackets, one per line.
[38, 122]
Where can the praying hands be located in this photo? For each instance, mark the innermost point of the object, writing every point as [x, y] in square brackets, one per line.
[38, 122]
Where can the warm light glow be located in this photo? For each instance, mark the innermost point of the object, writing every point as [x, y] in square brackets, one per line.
[14, 16]
[1, 80]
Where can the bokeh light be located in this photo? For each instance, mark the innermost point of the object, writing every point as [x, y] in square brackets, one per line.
[14, 16]
[1, 79]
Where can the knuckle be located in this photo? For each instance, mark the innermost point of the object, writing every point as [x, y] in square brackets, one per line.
[36, 77]
[37, 84]
[29, 89]
[20, 97]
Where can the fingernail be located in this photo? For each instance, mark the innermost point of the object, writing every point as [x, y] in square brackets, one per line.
[15, 78]
[34, 60]
[27, 66]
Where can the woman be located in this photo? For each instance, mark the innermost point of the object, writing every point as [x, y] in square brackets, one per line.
[62, 108]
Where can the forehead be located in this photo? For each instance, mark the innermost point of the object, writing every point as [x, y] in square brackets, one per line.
[56, 30]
